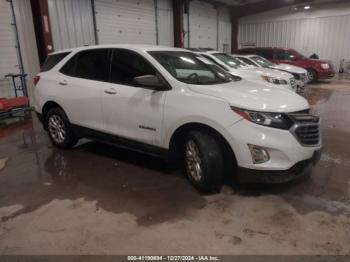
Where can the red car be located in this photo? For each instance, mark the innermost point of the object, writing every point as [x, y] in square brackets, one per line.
[317, 69]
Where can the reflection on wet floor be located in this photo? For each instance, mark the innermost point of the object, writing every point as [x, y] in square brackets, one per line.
[123, 181]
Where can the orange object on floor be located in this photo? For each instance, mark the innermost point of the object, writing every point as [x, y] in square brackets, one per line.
[7, 104]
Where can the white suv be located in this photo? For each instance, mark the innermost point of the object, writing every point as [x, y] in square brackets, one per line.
[236, 67]
[172, 103]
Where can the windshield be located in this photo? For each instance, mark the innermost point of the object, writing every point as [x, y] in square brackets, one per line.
[262, 61]
[232, 62]
[191, 68]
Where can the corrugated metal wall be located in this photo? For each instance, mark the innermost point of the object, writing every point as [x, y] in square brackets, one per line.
[27, 40]
[8, 55]
[71, 23]
[327, 36]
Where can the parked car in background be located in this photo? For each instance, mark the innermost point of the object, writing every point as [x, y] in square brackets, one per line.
[173, 103]
[299, 73]
[268, 76]
[316, 69]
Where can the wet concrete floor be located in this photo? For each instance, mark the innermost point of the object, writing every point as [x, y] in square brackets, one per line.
[98, 199]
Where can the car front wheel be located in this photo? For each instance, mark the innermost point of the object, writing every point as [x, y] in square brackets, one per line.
[204, 161]
[312, 75]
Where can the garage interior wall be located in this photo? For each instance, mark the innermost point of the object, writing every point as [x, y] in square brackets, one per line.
[71, 23]
[324, 31]
[134, 21]
[8, 61]
[207, 26]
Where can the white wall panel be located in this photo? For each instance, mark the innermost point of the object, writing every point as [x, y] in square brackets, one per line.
[209, 26]
[125, 21]
[203, 25]
[71, 23]
[225, 30]
[165, 23]
[314, 32]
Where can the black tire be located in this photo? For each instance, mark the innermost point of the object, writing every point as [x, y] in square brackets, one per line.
[312, 75]
[68, 140]
[211, 162]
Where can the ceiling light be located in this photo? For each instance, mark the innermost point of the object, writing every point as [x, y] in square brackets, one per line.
[307, 7]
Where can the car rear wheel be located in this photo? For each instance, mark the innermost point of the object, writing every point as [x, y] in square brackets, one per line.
[312, 75]
[204, 161]
[59, 129]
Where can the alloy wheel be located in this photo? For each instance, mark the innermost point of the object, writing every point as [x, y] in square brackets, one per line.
[57, 128]
[193, 161]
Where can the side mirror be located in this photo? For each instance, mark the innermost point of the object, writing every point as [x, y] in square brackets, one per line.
[150, 81]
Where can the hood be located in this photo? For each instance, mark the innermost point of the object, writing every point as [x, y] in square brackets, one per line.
[270, 72]
[254, 96]
[290, 68]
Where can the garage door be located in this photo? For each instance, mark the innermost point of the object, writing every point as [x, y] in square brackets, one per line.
[8, 54]
[203, 25]
[71, 23]
[125, 21]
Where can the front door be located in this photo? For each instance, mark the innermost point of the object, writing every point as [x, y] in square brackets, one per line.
[130, 111]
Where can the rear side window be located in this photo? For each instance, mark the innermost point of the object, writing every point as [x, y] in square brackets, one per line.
[268, 54]
[127, 65]
[89, 64]
[52, 60]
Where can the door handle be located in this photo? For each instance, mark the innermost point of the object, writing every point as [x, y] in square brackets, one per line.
[111, 91]
[63, 83]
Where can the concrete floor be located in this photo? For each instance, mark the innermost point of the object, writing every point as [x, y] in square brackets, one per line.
[97, 199]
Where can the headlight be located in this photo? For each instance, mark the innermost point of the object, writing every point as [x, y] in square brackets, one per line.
[274, 80]
[325, 66]
[275, 120]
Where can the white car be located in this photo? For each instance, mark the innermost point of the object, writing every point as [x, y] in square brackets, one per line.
[252, 73]
[299, 73]
[168, 102]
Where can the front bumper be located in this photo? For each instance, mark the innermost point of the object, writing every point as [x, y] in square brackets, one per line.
[299, 170]
[326, 74]
[288, 157]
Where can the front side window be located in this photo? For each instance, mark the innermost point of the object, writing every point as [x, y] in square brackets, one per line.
[246, 61]
[191, 68]
[262, 61]
[92, 64]
[126, 65]
[229, 60]
[53, 60]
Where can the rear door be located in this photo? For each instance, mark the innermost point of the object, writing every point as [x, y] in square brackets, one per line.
[81, 80]
[131, 111]
[266, 53]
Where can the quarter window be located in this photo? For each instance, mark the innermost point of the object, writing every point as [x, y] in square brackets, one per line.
[52, 60]
[126, 65]
[89, 64]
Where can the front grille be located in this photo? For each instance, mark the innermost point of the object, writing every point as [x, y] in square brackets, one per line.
[308, 134]
[306, 129]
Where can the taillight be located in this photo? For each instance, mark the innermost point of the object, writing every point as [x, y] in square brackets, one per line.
[36, 80]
